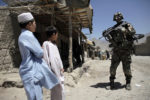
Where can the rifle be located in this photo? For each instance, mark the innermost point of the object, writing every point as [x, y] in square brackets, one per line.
[107, 34]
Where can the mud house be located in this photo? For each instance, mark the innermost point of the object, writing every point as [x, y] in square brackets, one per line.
[48, 13]
[144, 48]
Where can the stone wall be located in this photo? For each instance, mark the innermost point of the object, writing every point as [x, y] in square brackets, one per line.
[9, 32]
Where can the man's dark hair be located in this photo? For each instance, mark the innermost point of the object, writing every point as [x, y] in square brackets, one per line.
[50, 30]
[23, 25]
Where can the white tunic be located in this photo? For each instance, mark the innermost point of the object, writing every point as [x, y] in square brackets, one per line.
[52, 57]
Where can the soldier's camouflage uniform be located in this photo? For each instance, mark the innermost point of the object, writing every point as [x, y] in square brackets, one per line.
[122, 46]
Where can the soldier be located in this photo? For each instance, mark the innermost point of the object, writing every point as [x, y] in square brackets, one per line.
[122, 44]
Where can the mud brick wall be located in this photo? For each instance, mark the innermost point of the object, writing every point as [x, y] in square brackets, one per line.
[144, 48]
[9, 32]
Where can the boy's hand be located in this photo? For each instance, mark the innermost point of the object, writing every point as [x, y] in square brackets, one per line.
[62, 70]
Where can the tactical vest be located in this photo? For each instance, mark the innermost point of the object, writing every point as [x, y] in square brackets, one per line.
[122, 36]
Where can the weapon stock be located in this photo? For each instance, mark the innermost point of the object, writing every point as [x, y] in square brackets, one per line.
[138, 36]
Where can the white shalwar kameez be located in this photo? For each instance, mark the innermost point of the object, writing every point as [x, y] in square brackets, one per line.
[52, 57]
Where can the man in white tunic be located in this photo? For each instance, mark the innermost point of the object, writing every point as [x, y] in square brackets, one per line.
[34, 71]
[52, 57]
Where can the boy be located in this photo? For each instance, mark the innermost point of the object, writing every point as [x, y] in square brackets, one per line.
[33, 70]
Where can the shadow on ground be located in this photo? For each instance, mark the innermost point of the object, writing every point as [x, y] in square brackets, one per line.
[118, 85]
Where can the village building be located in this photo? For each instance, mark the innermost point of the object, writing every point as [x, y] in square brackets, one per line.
[143, 49]
[69, 21]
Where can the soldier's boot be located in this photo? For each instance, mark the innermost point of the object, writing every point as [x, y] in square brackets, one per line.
[111, 86]
[128, 85]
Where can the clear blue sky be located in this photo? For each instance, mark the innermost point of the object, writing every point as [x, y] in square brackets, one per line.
[2, 3]
[136, 12]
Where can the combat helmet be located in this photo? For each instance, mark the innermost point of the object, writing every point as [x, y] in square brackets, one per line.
[118, 15]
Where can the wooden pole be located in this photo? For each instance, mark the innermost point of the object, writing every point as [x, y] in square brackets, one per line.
[52, 16]
[70, 69]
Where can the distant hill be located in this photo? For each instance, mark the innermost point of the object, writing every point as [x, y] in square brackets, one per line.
[143, 47]
[101, 43]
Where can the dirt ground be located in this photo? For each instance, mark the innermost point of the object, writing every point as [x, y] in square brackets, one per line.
[91, 85]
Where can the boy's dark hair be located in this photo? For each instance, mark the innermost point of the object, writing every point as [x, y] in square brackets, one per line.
[23, 25]
[50, 30]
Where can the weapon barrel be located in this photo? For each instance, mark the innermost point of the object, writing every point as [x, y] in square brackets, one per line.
[139, 36]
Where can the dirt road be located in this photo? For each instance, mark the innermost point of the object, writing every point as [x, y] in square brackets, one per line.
[92, 84]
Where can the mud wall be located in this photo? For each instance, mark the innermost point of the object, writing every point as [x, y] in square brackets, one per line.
[9, 32]
[144, 48]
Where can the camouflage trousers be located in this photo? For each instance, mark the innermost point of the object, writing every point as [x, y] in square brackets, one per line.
[125, 58]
